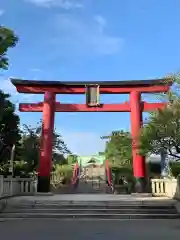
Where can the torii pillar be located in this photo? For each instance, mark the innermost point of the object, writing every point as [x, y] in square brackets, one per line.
[49, 106]
[45, 164]
[139, 166]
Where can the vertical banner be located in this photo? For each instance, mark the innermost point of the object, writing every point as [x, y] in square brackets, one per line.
[109, 175]
[75, 173]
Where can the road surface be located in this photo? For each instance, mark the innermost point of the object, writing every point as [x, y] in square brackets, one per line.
[89, 230]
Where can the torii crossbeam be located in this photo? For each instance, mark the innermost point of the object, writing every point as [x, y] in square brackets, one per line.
[135, 106]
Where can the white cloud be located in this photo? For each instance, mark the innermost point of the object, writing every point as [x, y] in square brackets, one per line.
[83, 143]
[101, 22]
[1, 12]
[36, 70]
[65, 4]
[8, 87]
[78, 36]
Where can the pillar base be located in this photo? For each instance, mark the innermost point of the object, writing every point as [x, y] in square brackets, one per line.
[140, 185]
[43, 184]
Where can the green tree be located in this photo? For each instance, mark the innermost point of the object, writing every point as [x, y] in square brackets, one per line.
[162, 131]
[29, 147]
[59, 159]
[9, 128]
[118, 149]
[59, 145]
[8, 39]
[71, 159]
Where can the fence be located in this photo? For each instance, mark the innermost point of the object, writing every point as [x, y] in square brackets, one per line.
[166, 187]
[21, 186]
[17, 186]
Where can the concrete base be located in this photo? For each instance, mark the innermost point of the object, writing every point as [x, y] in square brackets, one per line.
[43, 194]
[141, 194]
[43, 184]
[141, 185]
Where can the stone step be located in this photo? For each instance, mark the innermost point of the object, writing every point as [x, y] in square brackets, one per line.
[91, 210]
[92, 206]
[100, 202]
[87, 216]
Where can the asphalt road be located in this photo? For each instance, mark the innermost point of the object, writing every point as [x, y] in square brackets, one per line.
[94, 230]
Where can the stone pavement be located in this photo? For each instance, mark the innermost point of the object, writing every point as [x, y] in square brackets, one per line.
[91, 198]
[94, 206]
[96, 230]
[84, 187]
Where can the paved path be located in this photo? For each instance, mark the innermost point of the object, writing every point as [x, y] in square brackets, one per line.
[83, 188]
[96, 230]
[91, 199]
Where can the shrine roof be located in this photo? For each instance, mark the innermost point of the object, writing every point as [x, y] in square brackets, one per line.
[152, 82]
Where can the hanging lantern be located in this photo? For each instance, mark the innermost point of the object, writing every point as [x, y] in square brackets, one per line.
[92, 95]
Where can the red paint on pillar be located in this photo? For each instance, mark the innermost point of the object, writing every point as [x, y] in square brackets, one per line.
[112, 107]
[136, 123]
[45, 164]
[108, 173]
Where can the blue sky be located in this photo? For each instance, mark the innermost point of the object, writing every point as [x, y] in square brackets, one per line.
[90, 40]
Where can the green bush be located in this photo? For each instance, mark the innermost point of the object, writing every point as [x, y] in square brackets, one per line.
[63, 173]
[175, 169]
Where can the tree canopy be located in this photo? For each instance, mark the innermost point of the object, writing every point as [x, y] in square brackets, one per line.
[29, 148]
[8, 39]
[9, 127]
[26, 140]
[71, 159]
[118, 149]
[162, 132]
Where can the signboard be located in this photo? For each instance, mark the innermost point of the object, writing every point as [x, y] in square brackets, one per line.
[92, 95]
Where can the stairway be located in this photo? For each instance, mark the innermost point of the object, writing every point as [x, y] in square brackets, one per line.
[112, 210]
[91, 187]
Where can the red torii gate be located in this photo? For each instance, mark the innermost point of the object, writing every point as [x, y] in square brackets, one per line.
[50, 88]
